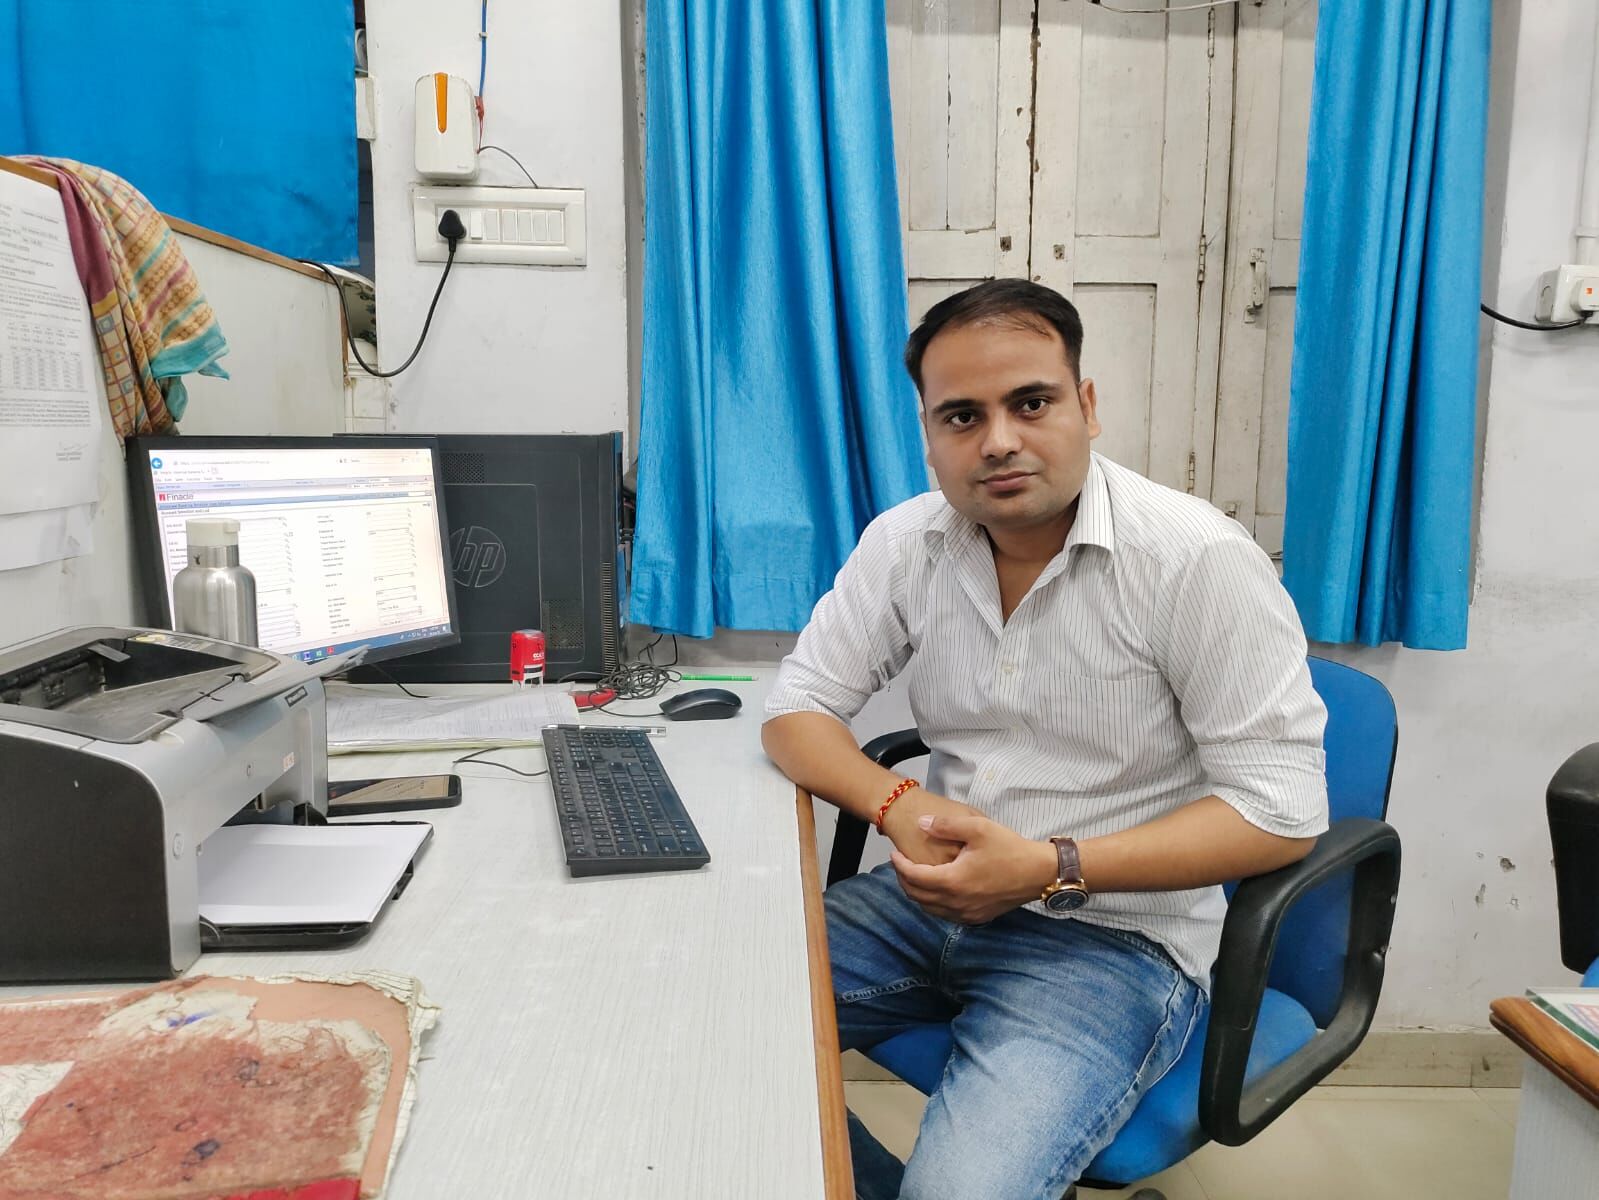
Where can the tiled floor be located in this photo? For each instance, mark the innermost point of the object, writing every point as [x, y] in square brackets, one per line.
[1372, 1142]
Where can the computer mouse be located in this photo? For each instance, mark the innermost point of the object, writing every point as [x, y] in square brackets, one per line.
[702, 704]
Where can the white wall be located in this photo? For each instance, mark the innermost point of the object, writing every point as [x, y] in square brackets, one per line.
[1482, 730]
[514, 349]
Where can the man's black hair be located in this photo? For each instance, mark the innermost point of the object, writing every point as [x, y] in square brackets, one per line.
[1018, 303]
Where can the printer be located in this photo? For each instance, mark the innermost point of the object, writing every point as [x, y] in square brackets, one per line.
[121, 751]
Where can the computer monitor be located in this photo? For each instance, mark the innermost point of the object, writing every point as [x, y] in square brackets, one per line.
[345, 537]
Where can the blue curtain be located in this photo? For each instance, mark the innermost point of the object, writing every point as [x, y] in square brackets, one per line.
[234, 114]
[776, 420]
[1377, 541]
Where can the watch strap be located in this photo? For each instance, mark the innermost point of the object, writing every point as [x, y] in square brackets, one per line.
[1069, 868]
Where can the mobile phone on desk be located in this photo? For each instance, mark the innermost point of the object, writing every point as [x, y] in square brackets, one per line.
[362, 797]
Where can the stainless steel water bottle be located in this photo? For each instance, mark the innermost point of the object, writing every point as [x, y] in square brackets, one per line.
[214, 596]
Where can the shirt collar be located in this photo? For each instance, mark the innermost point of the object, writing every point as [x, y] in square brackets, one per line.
[1092, 526]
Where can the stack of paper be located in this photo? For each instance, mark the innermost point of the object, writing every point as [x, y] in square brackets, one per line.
[253, 875]
[361, 721]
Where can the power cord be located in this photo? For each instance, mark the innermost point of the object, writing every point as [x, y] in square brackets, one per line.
[396, 682]
[641, 679]
[1537, 326]
[452, 231]
[513, 158]
[476, 756]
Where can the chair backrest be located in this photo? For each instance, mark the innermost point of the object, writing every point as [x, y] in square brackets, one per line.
[1361, 738]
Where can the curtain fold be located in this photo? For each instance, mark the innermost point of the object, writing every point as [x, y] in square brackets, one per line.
[1381, 428]
[775, 420]
[233, 114]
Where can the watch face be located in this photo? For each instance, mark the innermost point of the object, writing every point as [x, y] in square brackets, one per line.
[1067, 899]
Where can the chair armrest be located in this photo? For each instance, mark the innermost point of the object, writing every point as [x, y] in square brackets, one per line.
[1230, 1112]
[849, 835]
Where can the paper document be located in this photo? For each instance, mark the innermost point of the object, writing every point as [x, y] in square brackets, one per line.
[30, 538]
[304, 874]
[361, 721]
[51, 411]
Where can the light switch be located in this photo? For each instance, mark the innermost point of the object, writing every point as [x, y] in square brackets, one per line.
[522, 225]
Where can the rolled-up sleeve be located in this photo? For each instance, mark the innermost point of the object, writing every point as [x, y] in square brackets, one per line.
[856, 639]
[1234, 654]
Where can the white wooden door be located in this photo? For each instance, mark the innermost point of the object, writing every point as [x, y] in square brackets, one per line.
[1132, 123]
[1098, 152]
[960, 76]
[1275, 56]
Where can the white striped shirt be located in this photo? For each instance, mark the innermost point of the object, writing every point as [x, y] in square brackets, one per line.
[1155, 660]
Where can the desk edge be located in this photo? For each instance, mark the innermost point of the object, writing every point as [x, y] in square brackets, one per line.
[838, 1179]
[1550, 1044]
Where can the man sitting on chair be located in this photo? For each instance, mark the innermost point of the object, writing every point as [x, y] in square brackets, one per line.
[1113, 685]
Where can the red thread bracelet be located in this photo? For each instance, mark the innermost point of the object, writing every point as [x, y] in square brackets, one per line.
[905, 785]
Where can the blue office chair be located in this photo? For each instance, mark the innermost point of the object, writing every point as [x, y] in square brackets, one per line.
[1278, 1023]
[1573, 801]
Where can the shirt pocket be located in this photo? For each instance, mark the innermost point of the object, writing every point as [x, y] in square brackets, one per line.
[1111, 734]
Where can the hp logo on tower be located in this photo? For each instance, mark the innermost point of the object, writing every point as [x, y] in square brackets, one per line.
[477, 555]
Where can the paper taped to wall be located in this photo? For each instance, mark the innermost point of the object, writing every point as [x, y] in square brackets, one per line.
[50, 408]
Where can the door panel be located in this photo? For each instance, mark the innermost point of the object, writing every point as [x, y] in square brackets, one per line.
[1276, 55]
[1124, 138]
[961, 77]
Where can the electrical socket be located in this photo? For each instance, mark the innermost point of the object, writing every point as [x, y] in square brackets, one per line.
[1568, 293]
[523, 225]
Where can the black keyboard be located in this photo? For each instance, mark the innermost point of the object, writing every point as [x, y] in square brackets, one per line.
[618, 811]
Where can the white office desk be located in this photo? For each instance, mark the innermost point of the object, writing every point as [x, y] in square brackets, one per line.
[666, 1035]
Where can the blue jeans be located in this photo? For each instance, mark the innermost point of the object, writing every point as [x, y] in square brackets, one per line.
[1059, 1026]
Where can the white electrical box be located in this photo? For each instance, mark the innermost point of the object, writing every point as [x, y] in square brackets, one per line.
[1568, 293]
[534, 226]
[446, 128]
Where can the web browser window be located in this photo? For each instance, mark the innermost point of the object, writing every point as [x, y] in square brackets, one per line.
[343, 542]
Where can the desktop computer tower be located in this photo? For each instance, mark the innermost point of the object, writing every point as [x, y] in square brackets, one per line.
[534, 543]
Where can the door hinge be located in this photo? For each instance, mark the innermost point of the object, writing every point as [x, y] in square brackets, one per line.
[1210, 35]
[1192, 469]
[1204, 245]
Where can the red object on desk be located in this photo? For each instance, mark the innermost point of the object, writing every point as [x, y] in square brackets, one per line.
[593, 699]
[326, 1189]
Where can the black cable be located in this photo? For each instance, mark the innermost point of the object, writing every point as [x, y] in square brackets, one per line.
[350, 338]
[395, 682]
[1499, 316]
[649, 651]
[514, 159]
[489, 762]
[606, 708]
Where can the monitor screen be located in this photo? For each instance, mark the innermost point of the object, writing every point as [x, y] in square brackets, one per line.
[345, 537]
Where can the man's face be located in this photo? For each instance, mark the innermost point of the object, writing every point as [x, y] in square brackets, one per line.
[1008, 426]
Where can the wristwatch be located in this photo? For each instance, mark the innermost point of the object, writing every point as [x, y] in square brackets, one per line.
[1068, 893]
